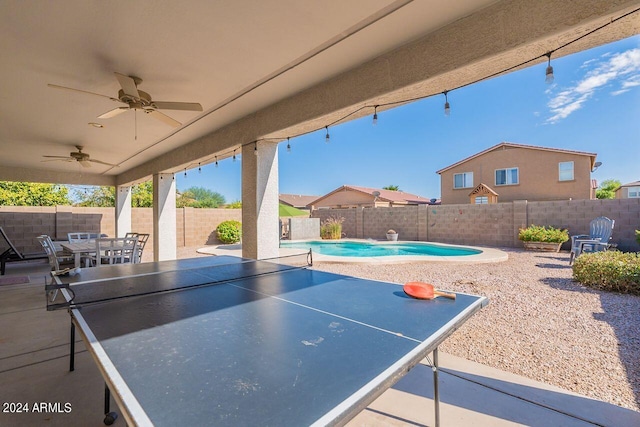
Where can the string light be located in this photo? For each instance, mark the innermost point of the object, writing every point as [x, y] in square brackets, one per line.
[375, 115]
[234, 155]
[447, 107]
[199, 168]
[549, 72]
[185, 172]
[255, 149]
[216, 161]
[327, 138]
[288, 146]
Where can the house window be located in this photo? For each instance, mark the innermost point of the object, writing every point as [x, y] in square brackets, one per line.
[463, 180]
[482, 200]
[507, 176]
[565, 171]
[634, 193]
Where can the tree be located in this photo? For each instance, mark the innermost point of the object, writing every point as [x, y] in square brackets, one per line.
[199, 197]
[96, 197]
[142, 195]
[607, 189]
[234, 205]
[33, 194]
[391, 187]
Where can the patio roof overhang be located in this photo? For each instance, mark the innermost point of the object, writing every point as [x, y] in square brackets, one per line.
[278, 68]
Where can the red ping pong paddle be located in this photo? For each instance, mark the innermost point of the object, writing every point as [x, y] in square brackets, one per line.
[422, 290]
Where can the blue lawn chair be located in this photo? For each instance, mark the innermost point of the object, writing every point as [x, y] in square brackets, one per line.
[600, 230]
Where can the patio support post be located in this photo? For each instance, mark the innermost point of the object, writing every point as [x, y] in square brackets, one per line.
[260, 227]
[164, 217]
[123, 210]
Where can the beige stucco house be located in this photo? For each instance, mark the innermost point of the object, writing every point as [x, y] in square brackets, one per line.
[349, 196]
[629, 191]
[508, 172]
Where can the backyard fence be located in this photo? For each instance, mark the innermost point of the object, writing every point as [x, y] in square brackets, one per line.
[482, 225]
[488, 225]
[194, 227]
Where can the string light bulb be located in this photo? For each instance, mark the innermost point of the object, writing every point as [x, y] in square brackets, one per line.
[199, 168]
[549, 72]
[375, 115]
[447, 107]
[216, 161]
[288, 146]
[185, 172]
[327, 138]
[234, 155]
[255, 149]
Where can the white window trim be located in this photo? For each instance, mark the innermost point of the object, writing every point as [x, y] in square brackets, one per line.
[636, 190]
[573, 171]
[506, 169]
[462, 173]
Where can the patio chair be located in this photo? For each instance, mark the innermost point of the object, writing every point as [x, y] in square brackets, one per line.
[79, 237]
[600, 230]
[142, 241]
[57, 259]
[121, 250]
[11, 254]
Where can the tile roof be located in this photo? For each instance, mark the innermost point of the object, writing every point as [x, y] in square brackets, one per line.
[511, 144]
[297, 200]
[385, 195]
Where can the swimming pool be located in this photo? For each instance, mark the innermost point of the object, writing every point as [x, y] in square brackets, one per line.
[371, 249]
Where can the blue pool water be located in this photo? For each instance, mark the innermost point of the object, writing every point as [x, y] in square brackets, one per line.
[365, 249]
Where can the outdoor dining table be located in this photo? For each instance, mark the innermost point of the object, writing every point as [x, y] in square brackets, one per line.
[78, 249]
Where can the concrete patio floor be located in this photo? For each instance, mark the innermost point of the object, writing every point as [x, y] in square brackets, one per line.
[34, 369]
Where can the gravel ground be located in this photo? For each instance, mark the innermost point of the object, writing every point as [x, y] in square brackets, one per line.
[538, 324]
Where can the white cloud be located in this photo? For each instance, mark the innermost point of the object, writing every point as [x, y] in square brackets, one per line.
[621, 70]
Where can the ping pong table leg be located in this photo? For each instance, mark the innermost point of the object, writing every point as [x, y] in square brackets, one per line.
[109, 417]
[436, 392]
[72, 347]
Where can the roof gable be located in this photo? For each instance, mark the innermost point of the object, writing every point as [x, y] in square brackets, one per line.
[513, 145]
[385, 195]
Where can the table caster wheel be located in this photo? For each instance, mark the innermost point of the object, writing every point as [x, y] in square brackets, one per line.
[110, 418]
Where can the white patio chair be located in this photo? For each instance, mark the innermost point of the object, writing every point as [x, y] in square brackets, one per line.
[121, 250]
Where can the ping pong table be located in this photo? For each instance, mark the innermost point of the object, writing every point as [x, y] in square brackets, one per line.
[229, 341]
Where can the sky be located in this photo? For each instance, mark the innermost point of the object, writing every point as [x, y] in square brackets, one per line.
[593, 105]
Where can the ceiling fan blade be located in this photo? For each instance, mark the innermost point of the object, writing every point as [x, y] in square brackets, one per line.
[82, 91]
[186, 106]
[85, 163]
[128, 85]
[113, 113]
[163, 118]
[59, 157]
[103, 163]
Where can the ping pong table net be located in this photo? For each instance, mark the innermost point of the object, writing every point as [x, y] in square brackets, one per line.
[61, 295]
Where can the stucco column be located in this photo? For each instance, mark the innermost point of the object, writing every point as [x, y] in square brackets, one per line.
[123, 210]
[164, 217]
[260, 229]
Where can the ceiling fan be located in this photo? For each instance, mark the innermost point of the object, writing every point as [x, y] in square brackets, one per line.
[136, 99]
[83, 158]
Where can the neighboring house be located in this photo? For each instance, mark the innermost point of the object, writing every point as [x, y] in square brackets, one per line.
[508, 172]
[629, 191]
[297, 200]
[349, 196]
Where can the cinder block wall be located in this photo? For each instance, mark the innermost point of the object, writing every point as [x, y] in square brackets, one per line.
[489, 225]
[23, 224]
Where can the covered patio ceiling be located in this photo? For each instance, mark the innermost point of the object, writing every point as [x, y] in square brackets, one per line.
[260, 69]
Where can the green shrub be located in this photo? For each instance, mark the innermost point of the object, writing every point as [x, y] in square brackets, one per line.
[331, 228]
[537, 233]
[638, 236]
[610, 270]
[229, 231]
